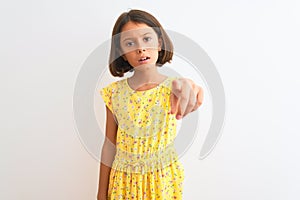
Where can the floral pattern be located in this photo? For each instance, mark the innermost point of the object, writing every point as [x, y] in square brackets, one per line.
[146, 164]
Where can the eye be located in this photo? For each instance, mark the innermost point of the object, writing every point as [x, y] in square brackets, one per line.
[147, 39]
[129, 44]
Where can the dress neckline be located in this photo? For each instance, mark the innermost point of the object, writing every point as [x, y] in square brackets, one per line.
[141, 91]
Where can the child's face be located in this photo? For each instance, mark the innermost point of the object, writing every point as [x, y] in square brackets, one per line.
[139, 44]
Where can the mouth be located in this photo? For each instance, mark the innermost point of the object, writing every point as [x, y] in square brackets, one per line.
[144, 59]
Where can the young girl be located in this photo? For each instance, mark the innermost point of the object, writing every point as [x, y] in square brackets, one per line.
[143, 163]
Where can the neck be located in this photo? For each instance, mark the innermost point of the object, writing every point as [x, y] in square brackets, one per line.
[145, 74]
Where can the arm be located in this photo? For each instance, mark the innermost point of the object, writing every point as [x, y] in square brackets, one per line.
[107, 154]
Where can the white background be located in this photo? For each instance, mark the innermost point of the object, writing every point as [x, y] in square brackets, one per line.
[254, 45]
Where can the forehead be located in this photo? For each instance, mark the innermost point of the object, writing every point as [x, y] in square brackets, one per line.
[131, 29]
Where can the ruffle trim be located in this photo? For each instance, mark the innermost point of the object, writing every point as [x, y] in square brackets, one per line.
[144, 163]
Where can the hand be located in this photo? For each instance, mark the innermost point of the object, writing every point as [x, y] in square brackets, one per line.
[186, 97]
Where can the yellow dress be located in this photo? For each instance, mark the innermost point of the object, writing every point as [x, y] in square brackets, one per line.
[146, 164]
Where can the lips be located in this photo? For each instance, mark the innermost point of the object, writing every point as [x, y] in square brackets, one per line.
[144, 58]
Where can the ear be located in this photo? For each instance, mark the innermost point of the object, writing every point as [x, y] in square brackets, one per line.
[159, 44]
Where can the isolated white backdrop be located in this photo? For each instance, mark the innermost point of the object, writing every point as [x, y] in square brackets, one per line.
[254, 45]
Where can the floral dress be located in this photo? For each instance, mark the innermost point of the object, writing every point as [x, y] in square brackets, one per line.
[146, 164]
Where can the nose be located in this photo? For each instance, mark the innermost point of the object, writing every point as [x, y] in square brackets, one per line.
[140, 50]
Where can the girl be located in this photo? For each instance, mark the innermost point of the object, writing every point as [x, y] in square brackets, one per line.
[138, 159]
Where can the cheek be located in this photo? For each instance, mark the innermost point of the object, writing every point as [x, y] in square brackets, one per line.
[155, 53]
[129, 56]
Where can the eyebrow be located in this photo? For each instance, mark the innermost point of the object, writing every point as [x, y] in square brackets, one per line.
[129, 38]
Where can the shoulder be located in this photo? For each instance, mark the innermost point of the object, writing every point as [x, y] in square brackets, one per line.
[113, 85]
[169, 80]
[173, 78]
[111, 89]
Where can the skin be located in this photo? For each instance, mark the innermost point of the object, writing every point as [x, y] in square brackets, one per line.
[140, 41]
[186, 97]
[107, 154]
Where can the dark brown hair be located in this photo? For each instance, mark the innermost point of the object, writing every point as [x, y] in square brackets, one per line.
[117, 65]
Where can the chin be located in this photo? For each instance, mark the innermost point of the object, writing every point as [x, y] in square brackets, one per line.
[145, 66]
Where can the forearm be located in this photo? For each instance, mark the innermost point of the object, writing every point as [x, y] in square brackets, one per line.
[103, 180]
[107, 156]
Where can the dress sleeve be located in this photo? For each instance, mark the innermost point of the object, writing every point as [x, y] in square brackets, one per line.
[106, 94]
